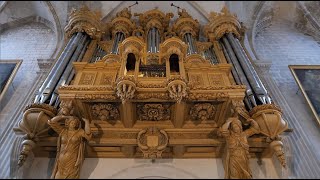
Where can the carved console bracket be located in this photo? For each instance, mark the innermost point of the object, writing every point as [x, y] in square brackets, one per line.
[125, 89]
[33, 126]
[177, 89]
[269, 118]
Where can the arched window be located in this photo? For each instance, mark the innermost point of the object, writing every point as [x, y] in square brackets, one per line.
[174, 63]
[131, 62]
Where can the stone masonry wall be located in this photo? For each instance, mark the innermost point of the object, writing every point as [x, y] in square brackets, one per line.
[28, 42]
[283, 45]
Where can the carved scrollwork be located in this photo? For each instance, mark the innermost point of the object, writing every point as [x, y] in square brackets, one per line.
[269, 118]
[85, 20]
[125, 89]
[185, 24]
[33, 126]
[152, 142]
[105, 111]
[153, 112]
[221, 23]
[203, 111]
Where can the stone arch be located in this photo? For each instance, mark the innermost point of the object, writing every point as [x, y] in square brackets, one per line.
[147, 171]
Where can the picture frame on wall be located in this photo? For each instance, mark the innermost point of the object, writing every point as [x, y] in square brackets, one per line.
[8, 70]
[308, 80]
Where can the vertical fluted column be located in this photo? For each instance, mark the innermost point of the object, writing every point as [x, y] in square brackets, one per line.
[251, 74]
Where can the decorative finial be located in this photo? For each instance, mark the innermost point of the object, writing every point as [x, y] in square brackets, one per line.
[133, 4]
[175, 6]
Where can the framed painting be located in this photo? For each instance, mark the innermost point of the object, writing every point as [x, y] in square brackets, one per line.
[8, 69]
[308, 79]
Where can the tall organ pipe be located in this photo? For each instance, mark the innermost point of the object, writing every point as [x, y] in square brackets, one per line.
[188, 43]
[157, 41]
[63, 54]
[118, 38]
[251, 74]
[55, 73]
[235, 75]
[149, 41]
[68, 69]
[83, 51]
[239, 71]
[153, 40]
[193, 45]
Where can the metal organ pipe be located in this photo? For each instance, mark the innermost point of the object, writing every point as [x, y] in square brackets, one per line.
[209, 54]
[235, 75]
[67, 70]
[49, 87]
[193, 44]
[54, 69]
[252, 76]
[118, 38]
[83, 51]
[239, 71]
[149, 41]
[157, 40]
[153, 40]
[187, 41]
[263, 96]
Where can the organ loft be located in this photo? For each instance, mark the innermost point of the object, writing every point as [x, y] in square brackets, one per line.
[145, 86]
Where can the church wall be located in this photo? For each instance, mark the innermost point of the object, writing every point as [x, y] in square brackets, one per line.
[29, 43]
[282, 45]
[112, 168]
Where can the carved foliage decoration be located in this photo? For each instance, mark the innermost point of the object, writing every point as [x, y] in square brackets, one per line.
[195, 80]
[152, 142]
[177, 89]
[154, 18]
[125, 88]
[173, 46]
[87, 79]
[216, 79]
[105, 111]
[85, 20]
[185, 24]
[153, 112]
[203, 111]
[122, 23]
[106, 79]
[221, 23]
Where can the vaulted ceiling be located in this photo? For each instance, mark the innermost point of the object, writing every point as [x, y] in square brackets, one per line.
[255, 15]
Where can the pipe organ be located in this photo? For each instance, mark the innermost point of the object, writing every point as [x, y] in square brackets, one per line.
[154, 90]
